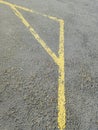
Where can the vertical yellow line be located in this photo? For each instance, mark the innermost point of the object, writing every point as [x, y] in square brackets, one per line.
[61, 83]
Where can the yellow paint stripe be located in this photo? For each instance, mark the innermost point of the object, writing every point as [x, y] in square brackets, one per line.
[58, 60]
[61, 82]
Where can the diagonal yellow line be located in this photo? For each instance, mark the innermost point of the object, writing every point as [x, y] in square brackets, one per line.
[58, 60]
[34, 33]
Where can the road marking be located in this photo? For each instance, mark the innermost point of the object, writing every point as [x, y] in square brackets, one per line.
[58, 60]
[61, 81]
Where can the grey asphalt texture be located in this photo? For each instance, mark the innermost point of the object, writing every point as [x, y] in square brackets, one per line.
[29, 76]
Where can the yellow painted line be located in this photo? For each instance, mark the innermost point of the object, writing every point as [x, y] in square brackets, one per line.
[61, 81]
[58, 60]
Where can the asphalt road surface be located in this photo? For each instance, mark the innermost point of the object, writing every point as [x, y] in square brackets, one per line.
[33, 88]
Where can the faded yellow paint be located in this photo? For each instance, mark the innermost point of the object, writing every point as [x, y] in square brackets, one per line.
[58, 60]
[61, 81]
